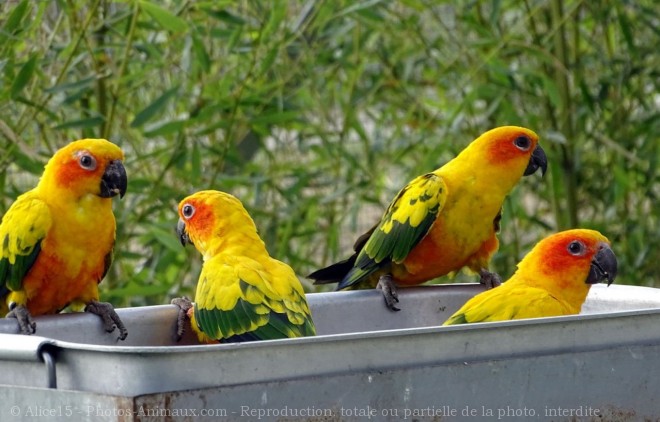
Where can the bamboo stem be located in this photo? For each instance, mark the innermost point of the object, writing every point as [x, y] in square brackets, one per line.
[566, 124]
[122, 68]
[81, 34]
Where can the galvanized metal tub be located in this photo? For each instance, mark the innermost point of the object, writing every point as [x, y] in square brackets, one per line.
[366, 362]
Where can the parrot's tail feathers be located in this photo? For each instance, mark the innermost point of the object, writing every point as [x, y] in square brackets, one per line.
[337, 272]
[333, 273]
[362, 240]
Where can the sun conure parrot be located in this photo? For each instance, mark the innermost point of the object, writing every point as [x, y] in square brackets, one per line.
[242, 294]
[56, 240]
[442, 221]
[553, 279]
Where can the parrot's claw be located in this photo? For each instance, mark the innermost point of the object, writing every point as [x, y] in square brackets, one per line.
[25, 322]
[488, 279]
[184, 304]
[109, 316]
[386, 284]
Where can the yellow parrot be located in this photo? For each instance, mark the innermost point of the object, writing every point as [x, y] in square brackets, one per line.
[242, 294]
[553, 279]
[442, 221]
[57, 239]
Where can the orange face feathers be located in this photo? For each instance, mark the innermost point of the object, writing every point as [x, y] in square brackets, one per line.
[514, 147]
[507, 142]
[572, 257]
[209, 216]
[197, 216]
[87, 166]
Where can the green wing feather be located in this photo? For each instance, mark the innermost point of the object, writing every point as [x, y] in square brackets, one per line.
[236, 304]
[107, 261]
[23, 227]
[458, 318]
[405, 223]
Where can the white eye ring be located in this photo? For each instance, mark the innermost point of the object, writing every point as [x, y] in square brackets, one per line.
[86, 161]
[576, 248]
[188, 211]
[523, 143]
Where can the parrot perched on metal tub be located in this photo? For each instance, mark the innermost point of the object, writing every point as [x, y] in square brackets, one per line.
[553, 279]
[442, 221]
[242, 294]
[57, 240]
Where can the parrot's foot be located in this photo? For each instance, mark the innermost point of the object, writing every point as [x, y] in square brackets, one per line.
[109, 316]
[184, 304]
[488, 279]
[386, 284]
[22, 315]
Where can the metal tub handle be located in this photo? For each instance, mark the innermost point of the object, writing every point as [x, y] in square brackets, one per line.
[31, 349]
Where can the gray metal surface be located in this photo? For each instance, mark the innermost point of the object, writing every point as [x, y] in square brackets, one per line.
[602, 298]
[142, 370]
[334, 313]
[22, 348]
[364, 356]
[613, 384]
[149, 325]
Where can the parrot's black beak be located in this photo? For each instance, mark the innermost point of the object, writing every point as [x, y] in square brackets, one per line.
[603, 266]
[182, 233]
[538, 159]
[114, 181]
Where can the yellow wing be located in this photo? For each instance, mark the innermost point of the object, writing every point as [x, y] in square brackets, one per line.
[235, 301]
[503, 304]
[405, 223]
[23, 227]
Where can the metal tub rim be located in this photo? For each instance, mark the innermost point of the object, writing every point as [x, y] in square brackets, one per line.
[400, 332]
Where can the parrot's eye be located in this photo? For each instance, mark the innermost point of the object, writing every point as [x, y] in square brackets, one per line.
[576, 248]
[87, 162]
[188, 211]
[523, 143]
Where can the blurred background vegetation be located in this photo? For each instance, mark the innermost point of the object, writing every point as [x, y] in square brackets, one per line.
[314, 113]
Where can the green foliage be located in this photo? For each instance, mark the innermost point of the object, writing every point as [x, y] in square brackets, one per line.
[315, 113]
